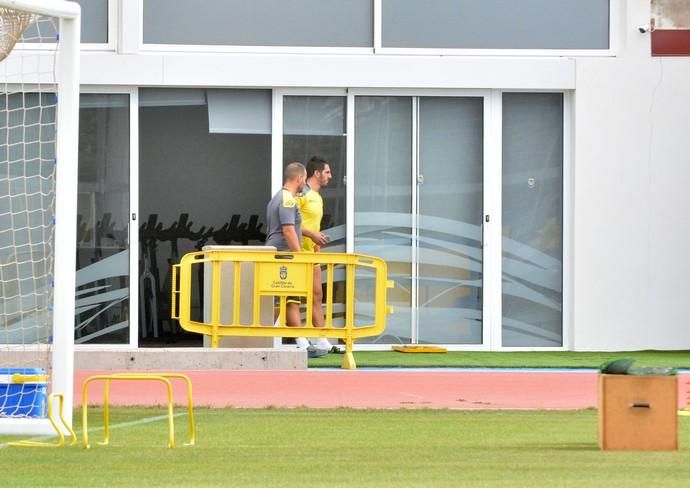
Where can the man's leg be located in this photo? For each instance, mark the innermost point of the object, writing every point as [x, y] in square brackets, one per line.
[292, 315]
[293, 320]
[317, 308]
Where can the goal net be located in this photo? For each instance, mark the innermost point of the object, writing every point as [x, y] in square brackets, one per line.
[38, 161]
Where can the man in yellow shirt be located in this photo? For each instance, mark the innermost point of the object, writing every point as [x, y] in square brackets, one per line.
[310, 205]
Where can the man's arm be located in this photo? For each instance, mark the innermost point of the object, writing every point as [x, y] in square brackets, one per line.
[291, 238]
[319, 238]
[287, 216]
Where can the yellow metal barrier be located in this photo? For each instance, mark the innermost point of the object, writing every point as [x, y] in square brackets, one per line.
[282, 275]
[162, 377]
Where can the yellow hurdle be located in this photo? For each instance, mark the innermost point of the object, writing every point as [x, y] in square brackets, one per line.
[161, 377]
[282, 275]
[61, 438]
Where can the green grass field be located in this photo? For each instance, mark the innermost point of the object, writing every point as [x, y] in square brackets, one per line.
[350, 448]
[528, 359]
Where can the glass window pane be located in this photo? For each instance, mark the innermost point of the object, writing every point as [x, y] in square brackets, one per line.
[315, 126]
[532, 219]
[383, 200]
[94, 24]
[327, 23]
[314, 116]
[103, 220]
[239, 111]
[496, 24]
[94, 21]
[450, 197]
[171, 97]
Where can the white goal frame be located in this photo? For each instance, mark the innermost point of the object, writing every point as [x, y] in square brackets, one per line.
[67, 79]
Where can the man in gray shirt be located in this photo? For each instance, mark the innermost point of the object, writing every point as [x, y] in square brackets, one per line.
[283, 220]
[284, 224]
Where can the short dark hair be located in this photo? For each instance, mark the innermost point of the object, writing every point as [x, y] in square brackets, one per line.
[293, 171]
[315, 164]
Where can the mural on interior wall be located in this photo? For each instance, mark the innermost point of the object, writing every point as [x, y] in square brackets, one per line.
[669, 27]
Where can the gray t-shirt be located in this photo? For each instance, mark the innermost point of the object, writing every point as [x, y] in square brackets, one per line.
[282, 210]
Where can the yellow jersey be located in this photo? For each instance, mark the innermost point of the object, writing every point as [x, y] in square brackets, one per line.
[310, 205]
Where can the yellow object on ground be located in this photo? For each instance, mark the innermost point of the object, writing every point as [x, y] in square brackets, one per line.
[284, 275]
[421, 348]
[61, 437]
[162, 377]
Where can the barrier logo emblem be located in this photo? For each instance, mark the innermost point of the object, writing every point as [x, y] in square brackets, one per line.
[283, 272]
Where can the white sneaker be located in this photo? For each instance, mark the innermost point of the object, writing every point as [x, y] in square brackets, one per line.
[302, 343]
[316, 352]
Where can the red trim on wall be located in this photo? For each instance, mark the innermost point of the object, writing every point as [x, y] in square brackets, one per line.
[668, 42]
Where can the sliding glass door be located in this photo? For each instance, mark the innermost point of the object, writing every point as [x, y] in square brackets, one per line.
[383, 216]
[532, 190]
[314, 126]
[419, 205]
[103, 225]
[461, 193]
[449, 220]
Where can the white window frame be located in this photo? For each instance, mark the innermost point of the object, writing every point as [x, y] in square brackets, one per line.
[205, 48]
[616, 18]
[489, 199]
[277, 126]
[277, 135]
[492, 252]
[230, 49]
[112, 30]
[567, 270]
[492, 233]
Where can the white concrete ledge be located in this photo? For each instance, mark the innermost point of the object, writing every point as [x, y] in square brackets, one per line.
[178, 358]
[191, 359]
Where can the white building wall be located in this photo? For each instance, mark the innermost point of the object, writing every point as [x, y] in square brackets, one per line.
[631, 236]
[629, 280]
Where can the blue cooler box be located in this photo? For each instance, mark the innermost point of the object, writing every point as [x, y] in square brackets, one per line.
[22, 399]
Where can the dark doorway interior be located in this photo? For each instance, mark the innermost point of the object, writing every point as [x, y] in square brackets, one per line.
[196, 188]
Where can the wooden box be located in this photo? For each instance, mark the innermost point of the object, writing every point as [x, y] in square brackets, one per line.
[638, 412]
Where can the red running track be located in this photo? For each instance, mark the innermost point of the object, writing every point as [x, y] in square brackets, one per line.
[364, 389]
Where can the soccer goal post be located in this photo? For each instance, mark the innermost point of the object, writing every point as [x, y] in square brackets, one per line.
[39, 114]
